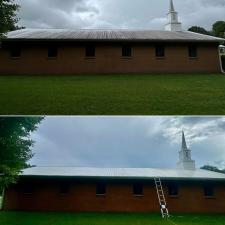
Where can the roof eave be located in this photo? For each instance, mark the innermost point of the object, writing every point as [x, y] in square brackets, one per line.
[112, 40]
[126, 178]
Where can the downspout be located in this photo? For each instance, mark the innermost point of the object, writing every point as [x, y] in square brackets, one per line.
[3, 197]
[220, 59]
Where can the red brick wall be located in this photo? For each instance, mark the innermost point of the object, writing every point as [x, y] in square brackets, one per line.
[119, 198]
[71, 60]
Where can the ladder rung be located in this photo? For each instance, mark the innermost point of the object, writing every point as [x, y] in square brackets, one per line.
[161, 197]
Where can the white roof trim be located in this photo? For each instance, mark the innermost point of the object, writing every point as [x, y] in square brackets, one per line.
[123, 173]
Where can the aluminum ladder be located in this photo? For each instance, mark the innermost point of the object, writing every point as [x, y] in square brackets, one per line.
[161, 197]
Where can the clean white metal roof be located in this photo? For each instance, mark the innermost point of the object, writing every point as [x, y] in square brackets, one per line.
[108, 35]
[124, 173]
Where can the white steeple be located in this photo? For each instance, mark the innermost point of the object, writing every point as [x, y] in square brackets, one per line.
[173, 23]
[185, 161]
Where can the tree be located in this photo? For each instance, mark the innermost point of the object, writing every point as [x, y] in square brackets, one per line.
[199, 30]
[15, 146]
[219, 29]
[8, 17]
[212, 168]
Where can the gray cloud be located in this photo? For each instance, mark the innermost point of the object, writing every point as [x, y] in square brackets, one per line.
[117, 13]
[220, 3]
[57, 13]
[197, 129]
[127, 141]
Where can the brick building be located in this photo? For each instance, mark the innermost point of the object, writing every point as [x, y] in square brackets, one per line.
[64, 52]
[186, 189]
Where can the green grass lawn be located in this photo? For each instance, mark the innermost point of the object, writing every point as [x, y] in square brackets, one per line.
[19, 218]
[113, 95]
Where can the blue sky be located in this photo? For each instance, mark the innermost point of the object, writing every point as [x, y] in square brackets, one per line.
[127, 141]
[117, 13]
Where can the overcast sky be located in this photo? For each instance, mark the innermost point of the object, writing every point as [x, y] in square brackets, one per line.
[117, 13]
[127, 141]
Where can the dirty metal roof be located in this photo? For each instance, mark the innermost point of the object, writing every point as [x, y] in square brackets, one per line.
[109, 35]
[122, 173]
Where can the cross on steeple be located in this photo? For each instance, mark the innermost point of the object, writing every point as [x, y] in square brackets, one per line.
[185, 161]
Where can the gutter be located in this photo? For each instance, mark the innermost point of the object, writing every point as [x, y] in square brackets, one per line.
[102, 40]
[119, 178]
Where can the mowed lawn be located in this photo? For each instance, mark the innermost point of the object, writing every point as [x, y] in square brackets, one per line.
[19, 218]
[113, 95]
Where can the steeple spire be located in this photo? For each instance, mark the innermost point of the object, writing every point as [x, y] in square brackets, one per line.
[185, 161]
[171, 6]
[173, 23]
[184, 144]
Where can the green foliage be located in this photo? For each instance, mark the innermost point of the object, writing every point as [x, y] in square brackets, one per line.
[8, 18]
[15, 146]
[199, 30]
[212, 168]
[219, 29]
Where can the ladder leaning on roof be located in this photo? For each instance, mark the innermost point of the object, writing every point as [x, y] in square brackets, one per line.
[161, 197]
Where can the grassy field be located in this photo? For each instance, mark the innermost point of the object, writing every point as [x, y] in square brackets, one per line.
[113, 95]
[19, 218]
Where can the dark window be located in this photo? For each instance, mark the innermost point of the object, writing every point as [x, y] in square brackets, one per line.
[137, 189]
[15, 52]
[52, 52]
[100, 189]
[126, 51]
[28, 189]
[64, 188]
[209, 191]
[173, 190]
[90, 51]
[192, 51]
[160, 51]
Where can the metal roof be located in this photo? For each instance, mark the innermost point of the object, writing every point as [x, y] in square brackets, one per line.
[108, 35]
[123, 173]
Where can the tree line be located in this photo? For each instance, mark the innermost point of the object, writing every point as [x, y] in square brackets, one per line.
[213, 169]
[218, 29]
